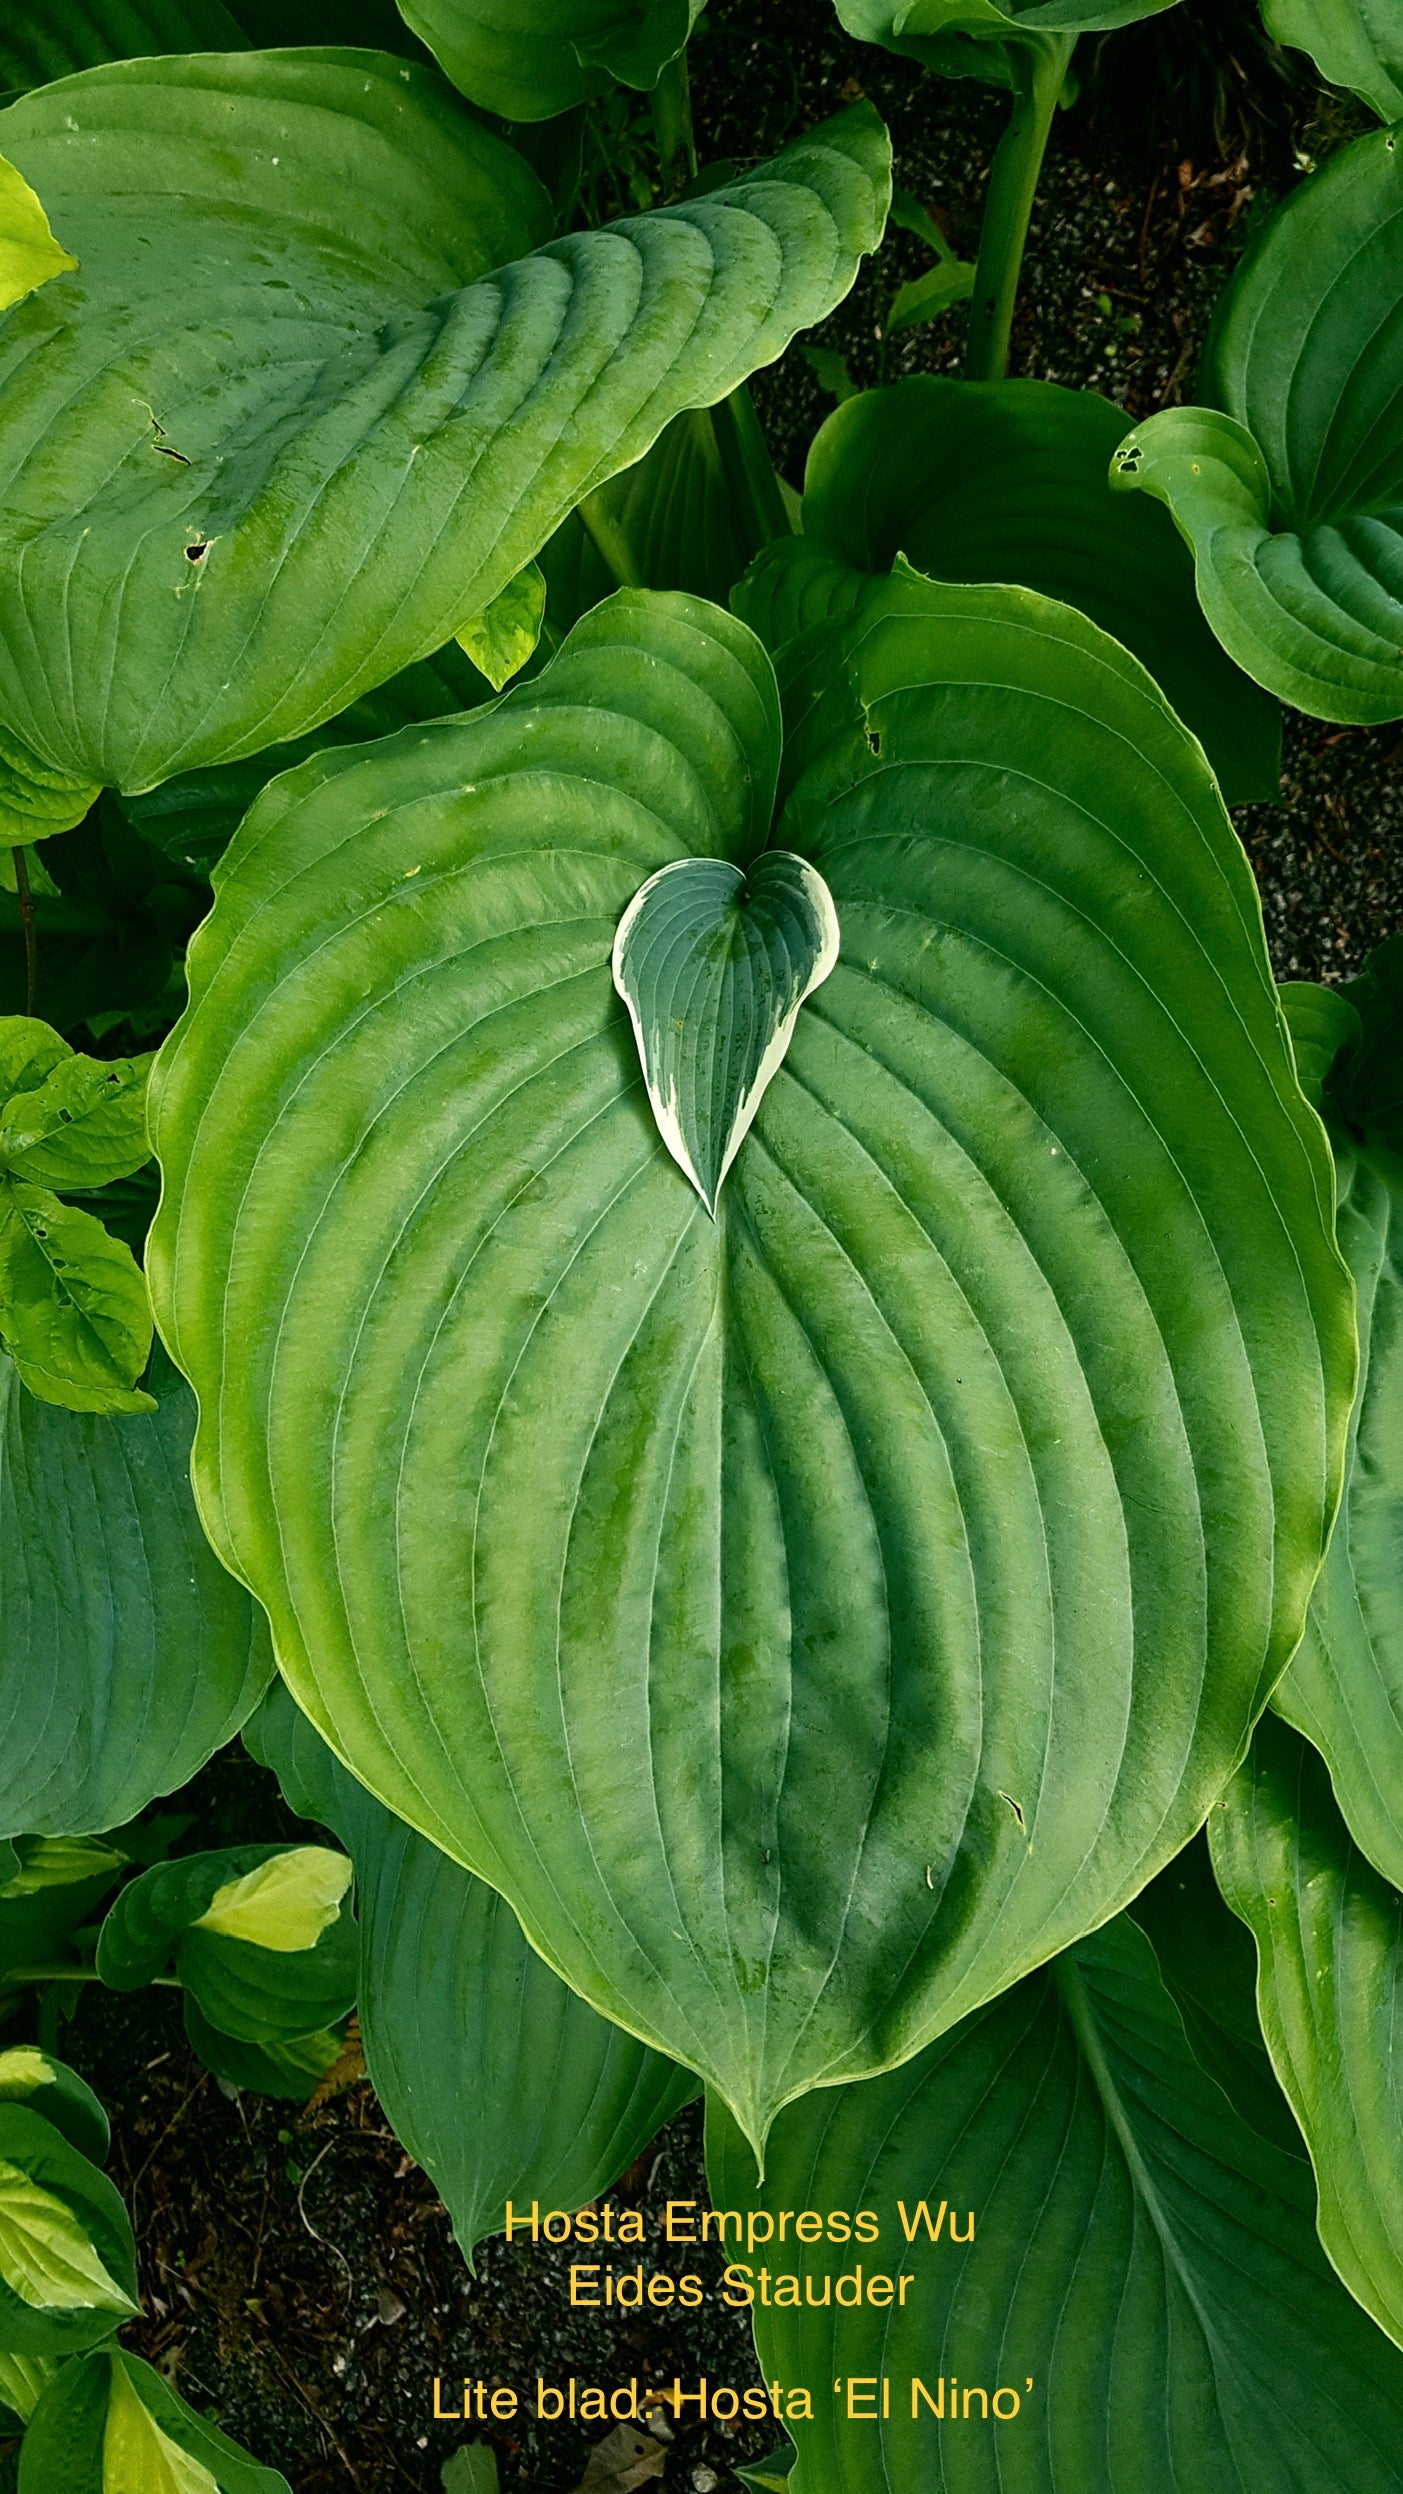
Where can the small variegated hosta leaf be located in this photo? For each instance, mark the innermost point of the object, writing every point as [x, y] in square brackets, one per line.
[110, 2425]
[23, 2382]
[713, 964]
[60, 1862]
[137, 2457]
[47, 2256]
[291, 2070]
[74, 1315]
[285, 1904]
[501, 639]
[49, 2087]
[29, 255]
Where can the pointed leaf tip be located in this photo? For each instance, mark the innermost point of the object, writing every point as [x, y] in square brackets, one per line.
[713, 964]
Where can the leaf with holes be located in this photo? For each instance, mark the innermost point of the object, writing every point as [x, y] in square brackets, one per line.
[502, 2084]
[1007, 481]
[813, 1618]
[256, 465]
[1288, 484]
[1344, 1688]
[1083, 2206]
[74, 1315]
[1329, 1934]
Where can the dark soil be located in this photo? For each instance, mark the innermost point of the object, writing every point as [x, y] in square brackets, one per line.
[301, 2277]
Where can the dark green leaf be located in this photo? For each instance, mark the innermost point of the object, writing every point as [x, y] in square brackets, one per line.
[284, 544]
[292, 2068]
[1329, 1934]
[66, 2101]
[1354, 43]
[502, 2084]
[529, 59]
[41, 40]
[127, 1654]
[296, 1976]
[74, 1315]
[1288, 484]
[111, 2425]
[1127, 2261]
[1008, 481]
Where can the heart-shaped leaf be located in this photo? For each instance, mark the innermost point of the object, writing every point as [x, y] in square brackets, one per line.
[1007, 481]
[1081, 2203]
[110, 2425]
[214, 552]
[528, 59]
[713, 964]
[1288, 483]
[1329, 1934]
[502, 2084]
[1344, 1688]
[813, 1618]
[297, 1977]
[1354, 43]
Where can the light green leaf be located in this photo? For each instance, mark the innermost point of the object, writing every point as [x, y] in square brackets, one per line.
[82, 1127]
[1344, 1688]
[1008, 481]
[925, 298]
[285, 1903]
[128, 1655]
[1354, 43]
[500, 640]
[282, 549]
[529, 59]
[713, 965]
[110, 2425]
[259, 1994]
[1329, 1934]
[502, 2084]
[137, 2457]
[985, 1445]
[1288, 485]
[1136, 2273]
[47, 2257]
[67, 2259]
[61, 1862]
[29, 1053]
[23, 2382]
[74, 1314]
[29, 255]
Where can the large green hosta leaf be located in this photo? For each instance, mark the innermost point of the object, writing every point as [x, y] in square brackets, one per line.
[127, 1654]
[1288, 484]
[1137, 2263]
[1355, 43]
[809, 1619]
[282, 432]
[1344, 1688]
[528, 59]
[502, 2084]
[1329, 1934]
[1007, 481]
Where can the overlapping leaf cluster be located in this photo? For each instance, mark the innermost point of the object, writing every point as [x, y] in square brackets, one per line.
[781, 1362]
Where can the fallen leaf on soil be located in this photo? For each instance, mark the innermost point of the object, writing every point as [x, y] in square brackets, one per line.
[625, 2461]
